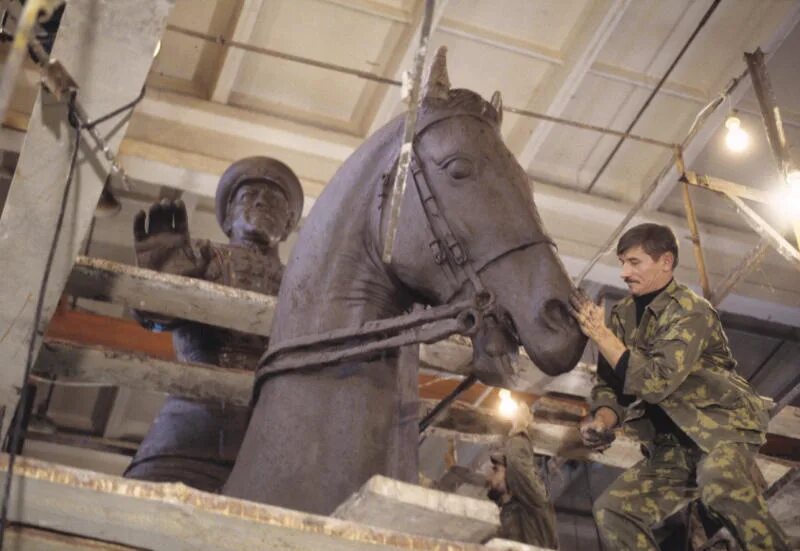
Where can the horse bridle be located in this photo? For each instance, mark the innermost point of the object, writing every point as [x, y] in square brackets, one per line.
[462, 317]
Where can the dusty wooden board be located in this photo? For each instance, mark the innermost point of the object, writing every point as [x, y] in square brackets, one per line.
[198, 300]
[508, 545]
[78, 363]
[784, 504]
[175, 517]
[389, 503]
[26, 538]
[182, 297]
[87, 364]
[563, 440]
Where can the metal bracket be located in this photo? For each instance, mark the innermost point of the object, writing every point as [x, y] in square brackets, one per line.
[57, 80]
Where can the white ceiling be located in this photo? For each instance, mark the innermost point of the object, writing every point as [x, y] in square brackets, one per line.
[594, 61]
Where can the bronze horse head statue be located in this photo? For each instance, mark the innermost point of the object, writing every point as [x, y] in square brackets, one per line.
[467, 223]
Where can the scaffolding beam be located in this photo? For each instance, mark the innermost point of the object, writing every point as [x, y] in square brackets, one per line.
[107, 48]
[173, 516]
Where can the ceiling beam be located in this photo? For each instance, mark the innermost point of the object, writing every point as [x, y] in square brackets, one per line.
[559, 85]
[230, 59]
[193, 112]
[715, 120]
[402, 61]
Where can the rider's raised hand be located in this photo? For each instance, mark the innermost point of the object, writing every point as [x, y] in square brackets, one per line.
[162, 242]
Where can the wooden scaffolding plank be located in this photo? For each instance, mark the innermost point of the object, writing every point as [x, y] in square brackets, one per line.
[26, 538]
[181, 297]
[174, 516]
[220, 305]
[78, 363]
[107, 48]
[389, 503]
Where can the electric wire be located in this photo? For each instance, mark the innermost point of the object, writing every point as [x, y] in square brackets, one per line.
[224, 41]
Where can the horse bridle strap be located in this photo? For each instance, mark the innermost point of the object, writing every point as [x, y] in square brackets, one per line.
[354, 343]
[452, 254]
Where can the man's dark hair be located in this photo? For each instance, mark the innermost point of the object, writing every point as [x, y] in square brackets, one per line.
[655, 239]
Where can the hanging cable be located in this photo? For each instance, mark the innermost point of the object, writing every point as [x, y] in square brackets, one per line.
[652, 95]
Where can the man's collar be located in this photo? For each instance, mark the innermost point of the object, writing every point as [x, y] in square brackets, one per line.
[661, 300]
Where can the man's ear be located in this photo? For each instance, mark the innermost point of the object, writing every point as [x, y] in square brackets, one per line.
[668, 261]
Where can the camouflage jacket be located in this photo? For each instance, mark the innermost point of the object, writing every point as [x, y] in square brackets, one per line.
[679, 359]
[529, 517]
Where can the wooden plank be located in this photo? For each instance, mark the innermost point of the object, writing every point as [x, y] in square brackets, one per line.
[26, 538]
[114, 333]
[724, 186]
[174, 516]
[91, 364]
[389, 503]
[250, 312]
[181, 297]
[478, 425]
[93, 40]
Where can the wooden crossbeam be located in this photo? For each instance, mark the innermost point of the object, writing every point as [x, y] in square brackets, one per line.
[174, 516]
[250, 312]
[77, 363]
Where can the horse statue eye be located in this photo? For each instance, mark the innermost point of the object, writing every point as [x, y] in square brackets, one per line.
[459, 168]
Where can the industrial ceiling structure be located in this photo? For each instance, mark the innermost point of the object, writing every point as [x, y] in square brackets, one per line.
[306, 81]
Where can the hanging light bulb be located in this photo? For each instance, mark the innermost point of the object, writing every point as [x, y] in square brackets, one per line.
[508, 407]
[793, 196]
[736, 139]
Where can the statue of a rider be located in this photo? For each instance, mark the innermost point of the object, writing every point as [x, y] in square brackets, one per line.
[259, 202]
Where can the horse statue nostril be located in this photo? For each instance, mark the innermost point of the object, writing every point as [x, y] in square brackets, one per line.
[556, 316]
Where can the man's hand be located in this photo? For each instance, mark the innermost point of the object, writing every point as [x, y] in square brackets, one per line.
[590, 316]
[592, 320]
[162, 242]
[597, 431]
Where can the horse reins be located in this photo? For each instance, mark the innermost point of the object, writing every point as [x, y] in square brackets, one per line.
[463, 317]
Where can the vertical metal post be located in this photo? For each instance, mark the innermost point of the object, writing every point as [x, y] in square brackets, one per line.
[691, 220]
[409, 129]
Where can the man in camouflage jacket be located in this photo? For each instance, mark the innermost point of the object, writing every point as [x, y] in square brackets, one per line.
[667, 374]
[526, 513]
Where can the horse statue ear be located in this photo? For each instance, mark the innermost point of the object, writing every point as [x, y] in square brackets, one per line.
[437, 83]
[497, 103]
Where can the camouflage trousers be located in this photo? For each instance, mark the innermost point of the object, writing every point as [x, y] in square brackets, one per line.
[670, 478]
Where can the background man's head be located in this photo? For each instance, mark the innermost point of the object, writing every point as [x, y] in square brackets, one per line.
[496, 480]
[648, 254]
